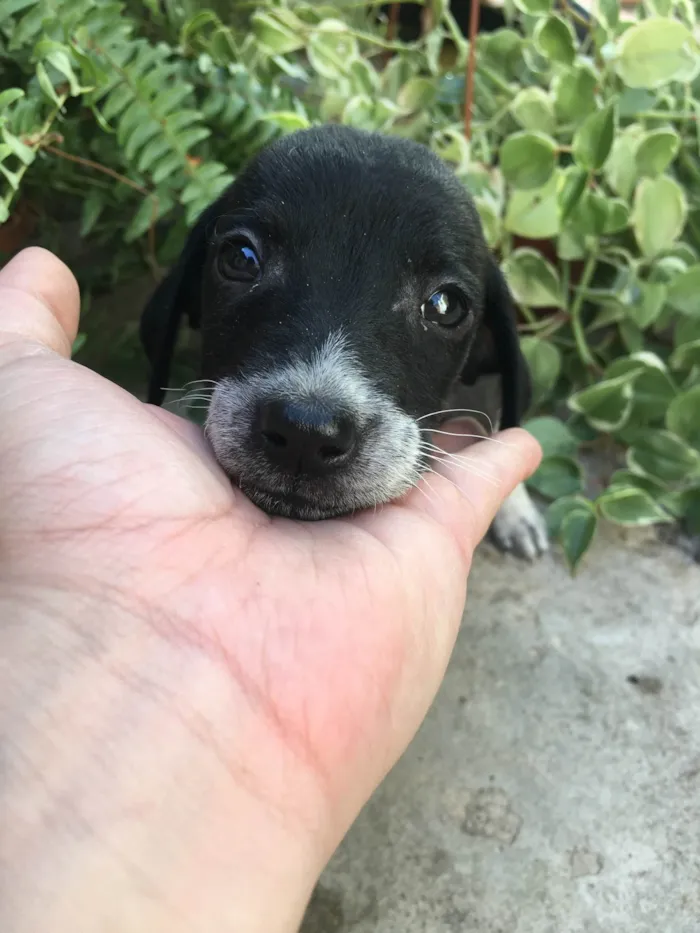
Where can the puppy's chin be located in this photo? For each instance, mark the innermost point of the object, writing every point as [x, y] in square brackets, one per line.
[300, 508]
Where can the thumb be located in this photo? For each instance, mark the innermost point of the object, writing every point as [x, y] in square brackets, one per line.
[39, 302]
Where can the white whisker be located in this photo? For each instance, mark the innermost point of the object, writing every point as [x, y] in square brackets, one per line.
[453, 411]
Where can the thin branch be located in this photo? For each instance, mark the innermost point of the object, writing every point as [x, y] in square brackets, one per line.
[117, 176]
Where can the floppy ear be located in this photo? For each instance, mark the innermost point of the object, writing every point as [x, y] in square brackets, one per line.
[496, 349]
[177, 294]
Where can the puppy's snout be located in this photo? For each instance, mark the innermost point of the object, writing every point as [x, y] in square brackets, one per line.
[305, 437]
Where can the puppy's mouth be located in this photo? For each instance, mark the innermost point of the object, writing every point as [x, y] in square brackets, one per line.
[294, 505]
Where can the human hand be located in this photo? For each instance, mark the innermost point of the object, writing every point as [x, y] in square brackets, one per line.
[196, 698]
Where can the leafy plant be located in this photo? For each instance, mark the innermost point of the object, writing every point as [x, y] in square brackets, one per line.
[582, 157]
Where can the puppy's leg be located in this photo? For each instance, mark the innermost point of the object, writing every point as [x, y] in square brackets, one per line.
[518, 527]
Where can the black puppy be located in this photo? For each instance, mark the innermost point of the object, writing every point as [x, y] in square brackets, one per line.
[346, 301]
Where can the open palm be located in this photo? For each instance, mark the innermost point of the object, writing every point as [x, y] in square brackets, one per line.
[324, 643]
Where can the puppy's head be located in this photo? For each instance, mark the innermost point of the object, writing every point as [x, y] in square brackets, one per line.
[342, 287]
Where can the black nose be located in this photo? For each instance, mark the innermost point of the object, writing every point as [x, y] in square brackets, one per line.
[306, 437]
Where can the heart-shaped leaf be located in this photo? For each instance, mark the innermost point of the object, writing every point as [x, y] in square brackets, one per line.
[684, 292]
[533, 109]
[683, 416]
[557, 476]
[631, 507]
[620, 169]
[416, 94]
[273, 36]
[534, 7]
[656, 150]
[686, 355]
[573, 187]
[607, 404]
[655, 51]
[555, 39]
[528, 159]
[594, 138]
[554, 437]
[664, 456]
[659, 214]
[535, 214]
[574, 93]
[533, 280]
[544, 362]
[576, 534]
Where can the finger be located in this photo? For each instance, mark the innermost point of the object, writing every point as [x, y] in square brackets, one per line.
[470, 486]
[39, 301]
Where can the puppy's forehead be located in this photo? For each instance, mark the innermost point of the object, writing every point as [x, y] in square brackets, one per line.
[340, 186]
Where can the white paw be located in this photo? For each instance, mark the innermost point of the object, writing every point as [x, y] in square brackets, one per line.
[519, 527]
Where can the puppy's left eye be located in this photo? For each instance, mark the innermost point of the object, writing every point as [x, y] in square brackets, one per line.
[444, 307]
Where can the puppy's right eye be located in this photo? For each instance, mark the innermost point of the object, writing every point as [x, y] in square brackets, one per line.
[238, 262]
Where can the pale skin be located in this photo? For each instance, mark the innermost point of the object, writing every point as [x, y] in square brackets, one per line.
[195, 699]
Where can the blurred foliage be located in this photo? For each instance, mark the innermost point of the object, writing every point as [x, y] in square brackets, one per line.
[121, 121]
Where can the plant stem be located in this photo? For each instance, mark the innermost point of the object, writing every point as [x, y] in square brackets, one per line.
[576, 308]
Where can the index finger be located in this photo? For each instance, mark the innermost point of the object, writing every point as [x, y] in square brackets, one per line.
[39, 301]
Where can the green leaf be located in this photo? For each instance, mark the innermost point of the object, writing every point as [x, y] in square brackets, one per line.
[555, 39]
[24, 153]
[631, 507]
[683, 416]
[534, 7]
[659, 214]
[287, 120]
[572, 190]
[274, 37]
[535, 214]
[655, 51]
[532, 108]
[686, 355]
[149, 212]
[684, 292]
[589, 217]
[574, 93]
[557, 476]
[332, 48]
[8, 97]
[653, 388]
[594, 138]
[416, 94]
[558, 510]
[92, 208]
[544, 362]
[452, 145]
[553, 435]
[647, 304]
[528, 159]
[620, 170]
[617, 216]
[533, 280]
[572, 520]
[664, 456]
[627, 478]
[607, 404]
[656, 151]
[46, 85]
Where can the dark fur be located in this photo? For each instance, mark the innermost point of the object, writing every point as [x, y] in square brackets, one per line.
[355, 230]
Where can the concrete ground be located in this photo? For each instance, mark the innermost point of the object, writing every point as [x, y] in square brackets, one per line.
[555, 786]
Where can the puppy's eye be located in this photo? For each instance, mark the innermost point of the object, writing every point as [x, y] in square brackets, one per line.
[444, 307]
[238, 262]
